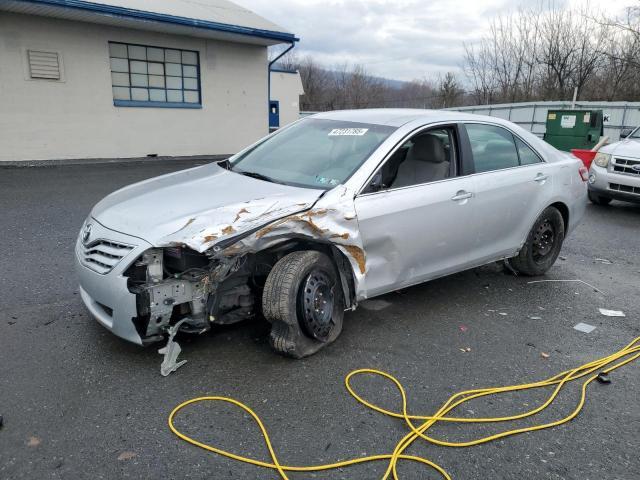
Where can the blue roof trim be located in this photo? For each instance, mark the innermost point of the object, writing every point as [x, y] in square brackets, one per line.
[160, 17]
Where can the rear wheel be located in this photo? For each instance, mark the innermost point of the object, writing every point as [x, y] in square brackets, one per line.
[543, 244]
[303, 301]
[599, 199]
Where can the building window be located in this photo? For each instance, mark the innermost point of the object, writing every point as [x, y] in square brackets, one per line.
[154, 77]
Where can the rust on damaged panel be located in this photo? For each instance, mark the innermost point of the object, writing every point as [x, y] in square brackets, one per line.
[358, 255]
[239, 214]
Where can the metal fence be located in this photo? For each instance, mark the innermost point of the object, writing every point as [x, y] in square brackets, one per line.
[533, 115]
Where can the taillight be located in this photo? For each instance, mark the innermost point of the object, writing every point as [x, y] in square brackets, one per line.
[584, 173]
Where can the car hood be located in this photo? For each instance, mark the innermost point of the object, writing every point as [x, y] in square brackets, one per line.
[199, 207]
[629, 147]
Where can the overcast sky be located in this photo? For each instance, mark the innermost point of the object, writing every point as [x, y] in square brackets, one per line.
[400, 39]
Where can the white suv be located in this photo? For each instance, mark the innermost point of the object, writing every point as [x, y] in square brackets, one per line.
[615, 171]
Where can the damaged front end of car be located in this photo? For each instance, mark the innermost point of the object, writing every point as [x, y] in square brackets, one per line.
[212, 271]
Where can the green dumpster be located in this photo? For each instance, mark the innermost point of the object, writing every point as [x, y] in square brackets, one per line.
[567, 129]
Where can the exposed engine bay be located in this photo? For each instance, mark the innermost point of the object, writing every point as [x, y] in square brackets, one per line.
[199, 290]
[176, 283]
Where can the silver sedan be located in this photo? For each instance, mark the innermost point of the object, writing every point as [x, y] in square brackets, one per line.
[333, 209]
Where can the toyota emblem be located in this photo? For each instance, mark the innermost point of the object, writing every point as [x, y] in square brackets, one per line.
[86, 233]
[636, 167]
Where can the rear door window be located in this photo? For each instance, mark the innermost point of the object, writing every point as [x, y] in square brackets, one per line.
[493, 147]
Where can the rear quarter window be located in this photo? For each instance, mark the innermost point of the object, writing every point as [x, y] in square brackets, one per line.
[527, 155]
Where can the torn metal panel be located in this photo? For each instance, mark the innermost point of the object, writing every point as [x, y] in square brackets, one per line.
[170, 352]
[331, 220]
[202, 232]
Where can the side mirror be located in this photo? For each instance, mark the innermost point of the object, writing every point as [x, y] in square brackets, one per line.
[625, 132]
[376, 183]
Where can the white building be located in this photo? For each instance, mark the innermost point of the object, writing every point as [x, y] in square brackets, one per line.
[131, 78]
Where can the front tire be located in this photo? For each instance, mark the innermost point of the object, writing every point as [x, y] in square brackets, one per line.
[303, 300]
[599, 199]
[543, 244]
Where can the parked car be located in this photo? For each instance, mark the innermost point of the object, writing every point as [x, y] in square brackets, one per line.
[615, 171]
[331, 210]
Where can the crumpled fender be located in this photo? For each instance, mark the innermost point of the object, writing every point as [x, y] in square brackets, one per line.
[260, 224]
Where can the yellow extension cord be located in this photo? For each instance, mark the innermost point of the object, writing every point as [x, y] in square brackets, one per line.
[604, 365]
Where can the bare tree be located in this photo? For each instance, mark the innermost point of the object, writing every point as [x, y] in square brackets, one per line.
[315, 81]
[449, 90]
[544, 52]
[556, 51]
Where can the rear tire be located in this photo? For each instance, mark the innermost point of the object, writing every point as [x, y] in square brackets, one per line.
[542, 246]
[599, 199]
[303, 300]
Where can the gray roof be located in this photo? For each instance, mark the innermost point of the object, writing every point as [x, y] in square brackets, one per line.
[206, 18]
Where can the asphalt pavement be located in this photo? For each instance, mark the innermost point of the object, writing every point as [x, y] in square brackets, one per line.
[80, 403]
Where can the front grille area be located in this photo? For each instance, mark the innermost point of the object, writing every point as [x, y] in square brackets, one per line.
[624, 188]
[625, 165]
[102, 255]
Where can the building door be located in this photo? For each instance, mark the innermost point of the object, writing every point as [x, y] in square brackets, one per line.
[274, 115]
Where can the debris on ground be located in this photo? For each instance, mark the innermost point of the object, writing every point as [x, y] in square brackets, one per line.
[463, 328]
[171, 351]
[603, 377]
[584, 327]
[33, 442]
[603, 261]
[127, 456]
[535, 318]
[465, 350]
[544, 355]
[570, 280]
[611, 313]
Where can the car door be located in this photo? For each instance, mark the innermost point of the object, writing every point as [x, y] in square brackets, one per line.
[416, 230]
[512, 184]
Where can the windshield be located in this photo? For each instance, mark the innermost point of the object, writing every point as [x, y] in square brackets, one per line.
[313, 153]
[635, 133]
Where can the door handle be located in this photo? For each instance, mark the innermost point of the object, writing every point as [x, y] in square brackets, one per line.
[462, 195]
[541, 177]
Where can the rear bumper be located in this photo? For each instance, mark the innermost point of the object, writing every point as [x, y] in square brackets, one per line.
[106, 296]
[614, 185]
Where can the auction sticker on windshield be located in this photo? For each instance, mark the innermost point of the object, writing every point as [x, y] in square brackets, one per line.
[358, 132]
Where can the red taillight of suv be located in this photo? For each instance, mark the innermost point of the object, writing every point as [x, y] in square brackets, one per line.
[584, 173]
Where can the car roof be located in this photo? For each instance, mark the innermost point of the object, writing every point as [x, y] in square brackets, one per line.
[396, 117]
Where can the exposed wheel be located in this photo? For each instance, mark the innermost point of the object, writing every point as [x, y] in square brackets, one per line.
[599, 199]
[543, 244]
[303, 300]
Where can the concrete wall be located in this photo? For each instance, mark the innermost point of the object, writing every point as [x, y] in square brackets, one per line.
[286, 88]
[76, 118]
